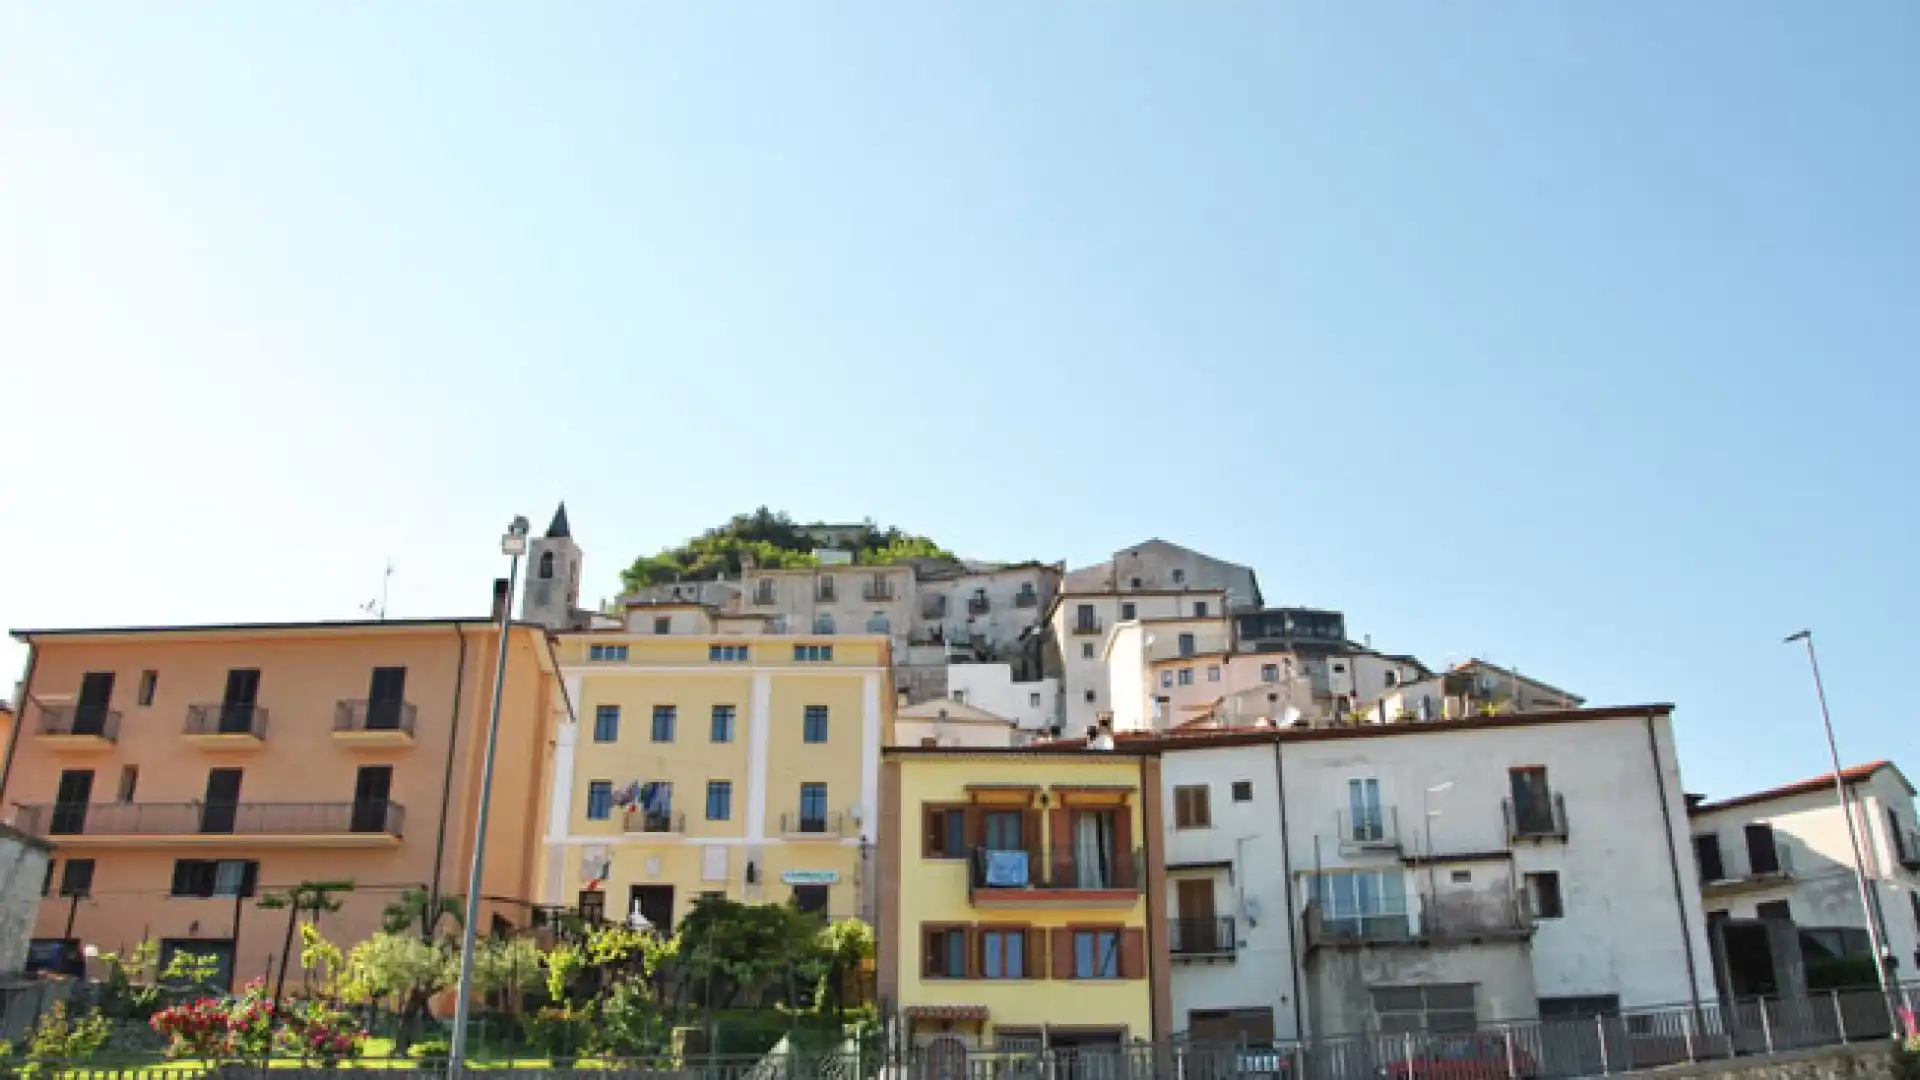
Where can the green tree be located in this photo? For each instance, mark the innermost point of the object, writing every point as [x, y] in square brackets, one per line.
[741, 954]
[311, 899]
[771, 540]
[404, 970]
[844, 949]
[420, 909]
[506, 966]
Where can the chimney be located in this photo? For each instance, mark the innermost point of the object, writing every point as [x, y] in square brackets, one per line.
[1100, 735]
[502, 603]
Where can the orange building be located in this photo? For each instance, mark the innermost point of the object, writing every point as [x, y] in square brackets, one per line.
[181, 772]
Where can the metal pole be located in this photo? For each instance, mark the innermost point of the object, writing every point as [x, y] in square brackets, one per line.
[1839, 1018]
[1606, 1060]
[456, 1050]
[1766, 1024]
[1875, 937]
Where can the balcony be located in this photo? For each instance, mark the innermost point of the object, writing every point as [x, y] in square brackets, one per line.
[1536, 821]
[1086, 626]
[1909, 853]
[878, 593]
[1201, 939]
[763, 595]
[979, 605]
[77, 727]
[663, 821]
[227, 726]
[373, 723]
[1375, 831]
[823, 593]
[1474, 920]
[999, 878]
[344, 824]
[1761, 873]
[805, 826]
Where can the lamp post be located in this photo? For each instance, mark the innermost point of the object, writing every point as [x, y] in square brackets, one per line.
[1867, 900]
[513, 545]
[1433, 881]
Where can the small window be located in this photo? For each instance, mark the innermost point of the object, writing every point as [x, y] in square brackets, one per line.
[1192, 807]
[814, 724]
[1033, 701]
[1186, 676]
[1186, 644]
[606, 723]
[813, 807]
[215, 877]
[1086, 650]
[1003, 954]
[722, 724]
[599, 800]
[663, 722]
[1339, 669]
[813, 654]
[959, 696]
[546, 565]
[607, 653]
[129, 782]
[1543, 895]
[149, 682]
[1166, 680]
[945, 953]
[719, 800]
[1269, 673]
[1243, 791]
[1128, 612]
[728, 654]
[1179, 576]
[1096, 954]
[1199, 609]
[662, 624]
[1392, 678]
[1461, 877]
[1092, 696]
[946, 833]
[1136, 583]
[76, 878]
[1213, 672]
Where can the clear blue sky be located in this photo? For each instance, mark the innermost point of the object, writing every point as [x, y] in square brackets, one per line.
[1579, 335]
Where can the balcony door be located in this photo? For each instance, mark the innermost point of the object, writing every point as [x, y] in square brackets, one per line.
[1532, 800]
[236, 705]
[1096, 853]
[223, 801]
[1199, 927]
[70, 803]
[384, 698]
[371, 790]
[90, 708]
[655, 903]
[1363, 802]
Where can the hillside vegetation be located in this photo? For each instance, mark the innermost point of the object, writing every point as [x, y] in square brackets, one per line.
[773, 540]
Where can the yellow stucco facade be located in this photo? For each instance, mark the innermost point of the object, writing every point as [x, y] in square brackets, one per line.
[744, 766]
[1022, 895]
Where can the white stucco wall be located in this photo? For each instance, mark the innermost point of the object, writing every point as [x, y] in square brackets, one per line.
[1082, 674]
[1032, 705]
[1005, 617]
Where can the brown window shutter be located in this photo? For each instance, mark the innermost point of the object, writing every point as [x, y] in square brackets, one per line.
[1133, 954]
[1060, 830]
[1203, 806]
[1124, 868]
[1030, 831]
[933, 835]
[927, 952]
[1062, 953]
[1036, 953]
[1182, 807]
[976, 830]
[973, 952]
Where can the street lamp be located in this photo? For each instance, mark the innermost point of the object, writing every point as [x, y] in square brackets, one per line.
[513, 545]
[1867, 899]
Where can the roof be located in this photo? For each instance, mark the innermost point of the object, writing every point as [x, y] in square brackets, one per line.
[1073, 748]
[1194, 736]
[261, 627]
[1476, 662]
[1856, 774]
[558, 527]
[948, 711]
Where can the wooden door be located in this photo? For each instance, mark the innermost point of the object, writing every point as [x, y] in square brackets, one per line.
[1199, 928]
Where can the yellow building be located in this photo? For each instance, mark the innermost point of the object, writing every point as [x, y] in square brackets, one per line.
[745, 766]
[1022, 895]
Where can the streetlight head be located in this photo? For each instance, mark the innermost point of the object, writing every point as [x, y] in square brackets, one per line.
[515, 542]
[1801, 635]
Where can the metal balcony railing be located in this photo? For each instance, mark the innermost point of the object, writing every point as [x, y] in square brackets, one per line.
[215, 818]
[877, 594]
[827, 823]
[1086, 626]
[1201, 937]
[823, 592]
[361, 715]
[1467, 917]
[1377, 829]
[227, 718]
[994, 870]
[79, 720]
[1026, 598]
[979, 605]
[666, 821]
[1536, 820]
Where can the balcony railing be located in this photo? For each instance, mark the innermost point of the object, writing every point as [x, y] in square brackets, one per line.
[1026, 598]
[1909, 850]
[979, 605]
[1378, 829]
[359, 715]
[641, 821]
[823, 824]
[211, 819]
[1536, 820]
[877, 594]
[1201, 937]
[994, 871]
[1781, 864]
[823, 593]
[1469, 918]
[225, 718]
[1086, 626]
[79, 720]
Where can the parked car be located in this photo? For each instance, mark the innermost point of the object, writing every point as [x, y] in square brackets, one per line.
[1484, 1055]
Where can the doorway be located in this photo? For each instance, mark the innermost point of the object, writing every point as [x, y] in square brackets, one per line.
[236, 705]
[655, 903]
[1197, 929]
[385, 697]
[90, 709]
[372, 787]
[222, 805]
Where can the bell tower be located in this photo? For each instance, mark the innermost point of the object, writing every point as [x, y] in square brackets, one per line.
[552, 596]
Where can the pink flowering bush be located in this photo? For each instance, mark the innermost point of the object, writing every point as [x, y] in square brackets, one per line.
[247, 1027]
[324, 1034]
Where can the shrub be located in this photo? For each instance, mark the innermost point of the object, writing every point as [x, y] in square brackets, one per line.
[61, 1037]
[559, 1031]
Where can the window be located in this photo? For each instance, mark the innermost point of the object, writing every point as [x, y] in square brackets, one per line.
[822, 624]
[662, 624]
[1092, 696]
[1763, 852]
[1005, 830]
[1003, 954]
[76, 878]
[1096, 954]
[1186, 644]
[1166, 680]
[1213, 672]
[1366, 821]
[945, 955]
[215, 877]
[1392, 678]
[129, 781]
[1186, 676]
[1243, 791]
[1440, 1007]
[1136, 583]
[1912, 897]
[811, 898]
[1532, 801]
[878, 623]
[1362, 903]
[1706, 852]
[945, 835]
[728, 654]
[959, 696]
[813, 808]
[1269, 673]
[606, 723]
[1083, 619]
[1543, 895]
[1128, 611]
[599, 800]
[607, 652]
[1460, 877]
[814, 724]
[813, 654]
[663, 718]
[1192, 807]
[1783, 911]
[46, 883]
[719, 800]
[722, 724]
[1086, 650]
[1575, 1007]
[546, 565]
[1179, 576]
[1033, 701]
[1199, 609]
[149, 682]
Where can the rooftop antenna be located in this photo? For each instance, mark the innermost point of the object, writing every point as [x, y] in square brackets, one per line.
[378, 608]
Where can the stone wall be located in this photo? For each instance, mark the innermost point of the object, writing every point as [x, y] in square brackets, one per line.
[1859, 1061]
[23, 870]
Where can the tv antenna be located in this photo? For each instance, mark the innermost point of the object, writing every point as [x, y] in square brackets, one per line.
[378, 608]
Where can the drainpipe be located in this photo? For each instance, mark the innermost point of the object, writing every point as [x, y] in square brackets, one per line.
[446, 784]
[1286, 880]
[1673, 867]
[19, 717]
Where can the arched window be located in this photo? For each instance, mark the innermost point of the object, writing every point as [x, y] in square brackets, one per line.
[546, 565]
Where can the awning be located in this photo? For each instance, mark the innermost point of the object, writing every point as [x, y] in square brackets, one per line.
[946, 1012]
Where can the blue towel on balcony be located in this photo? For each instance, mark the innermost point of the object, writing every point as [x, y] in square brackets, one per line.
[1007, 869]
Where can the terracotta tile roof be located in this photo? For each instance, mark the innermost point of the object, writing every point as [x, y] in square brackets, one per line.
[1855, 774]
[1198, 732]
[945, 1012]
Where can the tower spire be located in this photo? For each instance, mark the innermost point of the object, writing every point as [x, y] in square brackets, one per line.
[559, 527]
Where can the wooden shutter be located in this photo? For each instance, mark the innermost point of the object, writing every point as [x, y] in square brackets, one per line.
[975, 942]
[1036, 953]
[976, 830]
[1133, 954]
[1030, 832]
[1203, 806]
[1060, 826]
[934, 837]
[1124, 868]
[1062, 953]
[928, 952]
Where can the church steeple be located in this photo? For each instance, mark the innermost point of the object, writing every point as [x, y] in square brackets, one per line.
[559, 527]
[552, 596]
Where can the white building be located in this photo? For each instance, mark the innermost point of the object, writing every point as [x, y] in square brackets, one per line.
[985, 608]
[1329, 881]
[951, 722]
[1776, 872]
[1079, 624]
[1032, 704]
